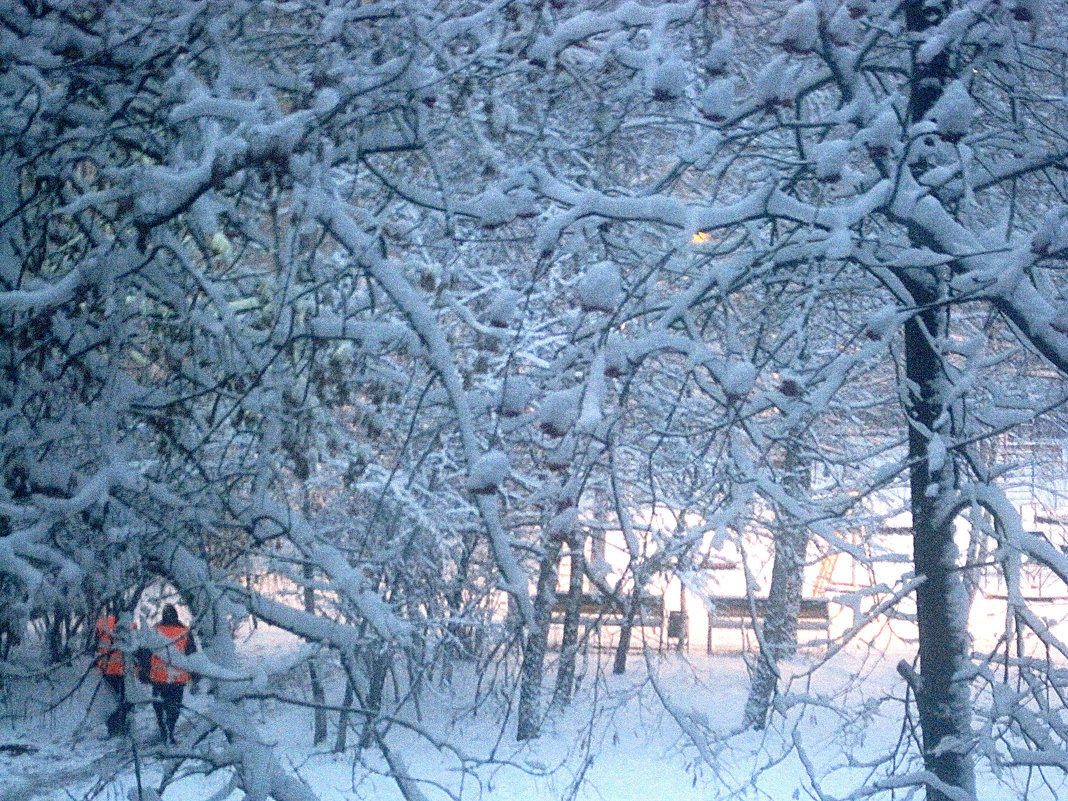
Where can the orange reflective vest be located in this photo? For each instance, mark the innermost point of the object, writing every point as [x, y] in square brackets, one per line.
[108, 657]
[161, 671]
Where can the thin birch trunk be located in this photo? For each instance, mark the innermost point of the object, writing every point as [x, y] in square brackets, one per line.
[319, 730]
[619, 664]
[342, 740]
[565, 671]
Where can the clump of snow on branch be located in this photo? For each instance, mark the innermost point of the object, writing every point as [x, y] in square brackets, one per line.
[559, 410]
[488, 472]
[503, 310]
[798, 31]
[492, 208]
[668, 79]
[1051, 235]
[717, 102]
[601, 287]
[737, 378]
[954, 112]
[517, 393]
[720, 54]
[829, 159]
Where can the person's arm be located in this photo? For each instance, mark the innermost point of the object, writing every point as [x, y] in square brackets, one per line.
[191, 648]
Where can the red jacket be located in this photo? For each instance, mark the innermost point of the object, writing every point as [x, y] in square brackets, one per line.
[161, 671]
[109, 660]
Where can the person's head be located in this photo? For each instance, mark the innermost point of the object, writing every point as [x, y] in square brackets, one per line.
[169, 616]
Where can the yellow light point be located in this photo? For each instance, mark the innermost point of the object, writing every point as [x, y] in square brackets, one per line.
[701, 237]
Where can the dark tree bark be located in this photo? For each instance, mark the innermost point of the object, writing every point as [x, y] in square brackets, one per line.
[619, 664]
[779, 638]
[528, 720]
[377, 670]
[626, 630]
[943, 698]
[565, 671]
[318, 692]
[342, 739]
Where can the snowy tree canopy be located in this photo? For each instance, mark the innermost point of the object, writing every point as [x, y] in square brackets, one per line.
[397, 303]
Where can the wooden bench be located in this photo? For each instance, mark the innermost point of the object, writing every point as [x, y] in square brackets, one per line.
[736, 612]
[1031, 599]
[599, 610]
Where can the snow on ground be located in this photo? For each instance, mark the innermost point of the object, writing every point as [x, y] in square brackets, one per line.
[623, 736]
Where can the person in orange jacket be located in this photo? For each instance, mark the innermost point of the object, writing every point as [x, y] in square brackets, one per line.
[168, 682]
[111, 664]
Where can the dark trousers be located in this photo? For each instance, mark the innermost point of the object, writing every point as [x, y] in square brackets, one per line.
[118, 721]
[167, 703]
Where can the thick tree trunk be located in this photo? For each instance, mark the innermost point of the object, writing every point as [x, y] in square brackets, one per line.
[528, 715]
[565, 671]
[943, 697]
[779, 639]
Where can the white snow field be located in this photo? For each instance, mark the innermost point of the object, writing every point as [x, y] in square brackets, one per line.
[667, 730]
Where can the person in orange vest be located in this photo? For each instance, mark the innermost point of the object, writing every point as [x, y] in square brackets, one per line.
[111, 664]
[168, 682]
